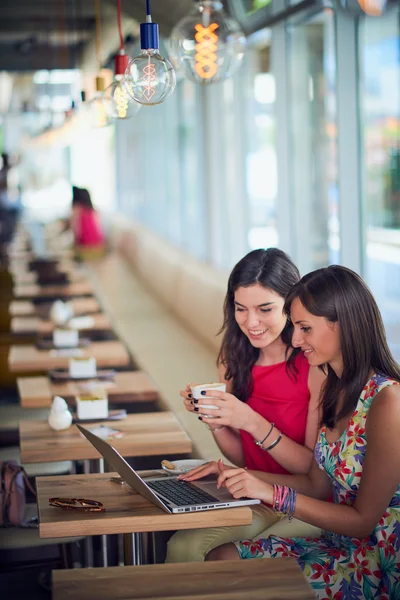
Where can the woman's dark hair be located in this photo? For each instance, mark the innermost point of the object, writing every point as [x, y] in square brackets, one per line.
[271, 269]
[75, 195]
[81, 197]
[341, 296]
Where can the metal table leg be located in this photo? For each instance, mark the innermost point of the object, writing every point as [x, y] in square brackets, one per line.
[104, 552]
[88, 545]
[133, 549]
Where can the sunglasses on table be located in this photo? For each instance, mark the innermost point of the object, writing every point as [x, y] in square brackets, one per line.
[81, 504]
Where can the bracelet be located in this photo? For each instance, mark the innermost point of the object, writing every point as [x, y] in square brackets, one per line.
[284, 500]
[214, 428]
[275, 443]
[257, 443]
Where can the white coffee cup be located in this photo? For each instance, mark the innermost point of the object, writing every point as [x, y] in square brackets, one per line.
[208, 387]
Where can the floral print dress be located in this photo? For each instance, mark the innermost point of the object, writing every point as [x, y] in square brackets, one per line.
[339, 567]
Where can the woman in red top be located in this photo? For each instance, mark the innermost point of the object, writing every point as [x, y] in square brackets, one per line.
[268, 418]
[85, 221]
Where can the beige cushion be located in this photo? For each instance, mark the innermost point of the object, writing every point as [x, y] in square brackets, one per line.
[12, 414]
[36, 469]
[12, 538]
[160, 344]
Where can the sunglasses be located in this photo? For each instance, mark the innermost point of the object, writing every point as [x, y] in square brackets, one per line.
[77, 504]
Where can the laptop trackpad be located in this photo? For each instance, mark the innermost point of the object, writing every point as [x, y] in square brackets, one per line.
[210, 487]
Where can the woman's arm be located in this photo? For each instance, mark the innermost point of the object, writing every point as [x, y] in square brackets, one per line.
[294, 457]
[315, 483]
[380, 477]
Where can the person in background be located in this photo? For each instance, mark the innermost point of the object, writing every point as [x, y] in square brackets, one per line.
[85, 222]
[10, 198]
[268, 418]
[338, 327]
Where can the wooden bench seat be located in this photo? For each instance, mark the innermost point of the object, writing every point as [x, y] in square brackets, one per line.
[169, 327]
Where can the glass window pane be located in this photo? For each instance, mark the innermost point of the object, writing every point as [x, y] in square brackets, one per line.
[315, 192]
[379, 51]
[261, 162]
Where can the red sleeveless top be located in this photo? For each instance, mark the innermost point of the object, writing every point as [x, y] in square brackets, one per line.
[282, 400]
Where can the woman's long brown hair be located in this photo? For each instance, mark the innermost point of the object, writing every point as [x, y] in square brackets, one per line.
[342, 296]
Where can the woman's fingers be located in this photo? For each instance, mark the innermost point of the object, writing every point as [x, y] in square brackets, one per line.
[199, 472]
[215, 412]
[227, 474]
[188, 405]
[234, 481]
[237, 490]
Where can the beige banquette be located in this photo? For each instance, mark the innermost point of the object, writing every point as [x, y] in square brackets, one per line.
[167, 308]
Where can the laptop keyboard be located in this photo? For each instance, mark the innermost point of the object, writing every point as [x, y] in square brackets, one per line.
[180, 493]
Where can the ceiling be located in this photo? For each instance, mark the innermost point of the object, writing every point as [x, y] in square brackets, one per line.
[59, 34]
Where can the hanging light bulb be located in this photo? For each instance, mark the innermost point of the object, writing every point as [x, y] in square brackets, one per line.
[98, 108]
[207, 44]
[149, 78]
[118, 102]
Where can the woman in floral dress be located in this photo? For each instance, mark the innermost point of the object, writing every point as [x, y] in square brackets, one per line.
[337, 324]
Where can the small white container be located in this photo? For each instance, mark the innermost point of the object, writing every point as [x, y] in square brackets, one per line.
[59, 314]
[82, 368]
[65, 338]
[92, 406]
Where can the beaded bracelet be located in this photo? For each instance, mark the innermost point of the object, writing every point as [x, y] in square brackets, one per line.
[284, 500]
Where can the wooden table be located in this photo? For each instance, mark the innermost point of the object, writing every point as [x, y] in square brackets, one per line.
[36, 291]
[128, 386]
[126, 511]
[24, 308]
[269, 579]
[20, 267]
[31, 277]
[35, 325]
[146, 434]
[28, 359]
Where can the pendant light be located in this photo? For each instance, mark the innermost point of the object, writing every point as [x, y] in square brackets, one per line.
[118, 102]
[207, 44]
[99, 115]
[149, 78]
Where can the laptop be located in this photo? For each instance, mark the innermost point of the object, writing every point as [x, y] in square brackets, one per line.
[169, 493]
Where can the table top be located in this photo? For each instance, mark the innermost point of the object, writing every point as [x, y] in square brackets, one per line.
[19, 267]
[126, 511]
[24, 308]
[31, 277]
[145, 434]
[79, 288]
[127, 386]
[222, 580]
[25, 359]
[101, 322]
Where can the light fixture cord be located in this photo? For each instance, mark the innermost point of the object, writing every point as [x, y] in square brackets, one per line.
[148, 13]
[121, 37]
[98, 33]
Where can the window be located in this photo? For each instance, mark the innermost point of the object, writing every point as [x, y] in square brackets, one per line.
[379, 54]
[313, 141]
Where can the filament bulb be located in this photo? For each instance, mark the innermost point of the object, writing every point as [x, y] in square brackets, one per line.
[207, 44]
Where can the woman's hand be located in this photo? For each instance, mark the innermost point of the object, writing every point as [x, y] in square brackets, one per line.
[210, 468]
[231, 412]
[241, 484]
[187, 397]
